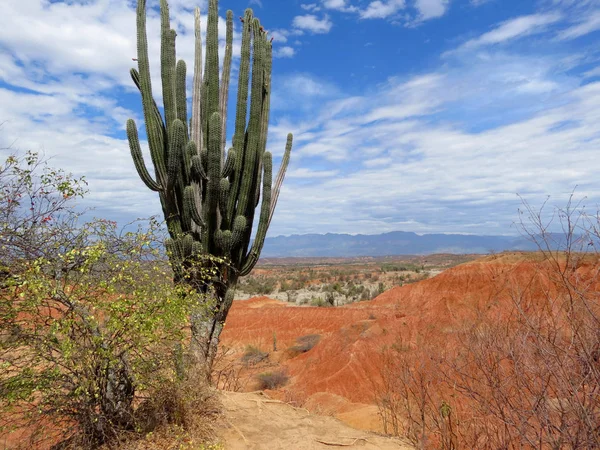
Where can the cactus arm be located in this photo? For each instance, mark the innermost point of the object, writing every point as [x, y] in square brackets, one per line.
[223, 197]
[191, 206]
[153, 126]
[263, 223]
[198, 172]
[251, 156]
[135, 76]
[138, 159]
[265, 110]
[257, 193]
[212, 61]
[196, 249]
[214, 175]
[240, 115]
[224, 92]
[181, 102]
[218, 237]
[167, 65]
[229, 163]
[226, 242]
[175, 256]
[190, 152]
[281, 174]
[196, 126]
[238, 232]
[176, 148]
[187, 244]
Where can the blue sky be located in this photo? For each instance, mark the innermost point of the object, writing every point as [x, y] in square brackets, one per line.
[413, 115]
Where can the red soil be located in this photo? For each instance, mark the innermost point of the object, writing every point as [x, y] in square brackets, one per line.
[348, 359]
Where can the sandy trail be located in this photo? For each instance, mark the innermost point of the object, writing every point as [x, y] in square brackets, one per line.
[254, 421]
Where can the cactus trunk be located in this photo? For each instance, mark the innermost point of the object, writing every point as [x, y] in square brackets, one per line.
[209, 196]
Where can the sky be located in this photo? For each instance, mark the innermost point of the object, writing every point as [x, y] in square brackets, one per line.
[431, 116]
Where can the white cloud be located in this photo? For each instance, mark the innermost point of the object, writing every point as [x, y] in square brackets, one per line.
[339, 5]
[279, 35]
[429, 9]
[513, 29]
[595, 72]
[586, 26]
[284, 52]
[425, 173]
[334, 4]
[444, 151]
[416, 152]
[301, 92]
[382, 9]
[304, 172]
[97, 38]
[310, 7]
[312, 23]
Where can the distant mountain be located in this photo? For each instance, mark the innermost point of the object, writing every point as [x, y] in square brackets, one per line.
[388, 244]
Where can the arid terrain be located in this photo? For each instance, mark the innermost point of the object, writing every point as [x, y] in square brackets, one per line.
[256, 422]
[338, 281]
[337, 360]
[415, 360]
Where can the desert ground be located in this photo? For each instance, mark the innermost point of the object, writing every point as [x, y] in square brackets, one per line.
[413, 367]
[338, 361]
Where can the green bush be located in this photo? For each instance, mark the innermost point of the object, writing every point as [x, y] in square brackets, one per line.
[89, 316]
[319, 302]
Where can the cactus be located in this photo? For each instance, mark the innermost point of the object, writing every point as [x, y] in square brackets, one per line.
[209, 195]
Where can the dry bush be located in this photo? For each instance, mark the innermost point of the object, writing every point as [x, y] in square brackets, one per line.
[272, 380]
[253, 355]
[184, 410]
[304, 344]
[227, 371]
[524, 371]
[411, 396]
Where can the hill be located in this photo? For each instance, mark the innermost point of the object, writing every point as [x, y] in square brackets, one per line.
[419, 329]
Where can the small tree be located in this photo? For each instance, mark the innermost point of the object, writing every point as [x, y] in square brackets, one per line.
[89, 316]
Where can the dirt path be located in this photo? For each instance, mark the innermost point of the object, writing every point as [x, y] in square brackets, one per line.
[257, 422]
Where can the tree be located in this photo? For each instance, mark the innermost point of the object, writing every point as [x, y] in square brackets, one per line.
[89, 315]
[209, 200]
[35, 202]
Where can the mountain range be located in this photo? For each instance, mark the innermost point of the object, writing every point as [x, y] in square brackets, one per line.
[388, 244]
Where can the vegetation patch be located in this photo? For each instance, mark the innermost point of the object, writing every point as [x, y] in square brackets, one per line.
[253, 355]
[272, 380]
[305, 343]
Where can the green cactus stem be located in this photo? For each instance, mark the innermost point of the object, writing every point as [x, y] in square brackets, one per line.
[209, 197]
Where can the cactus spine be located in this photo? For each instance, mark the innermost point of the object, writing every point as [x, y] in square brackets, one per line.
[209, 196]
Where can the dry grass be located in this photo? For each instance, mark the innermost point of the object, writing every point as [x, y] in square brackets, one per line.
[272, 380]
[253, 355]
[185, 415]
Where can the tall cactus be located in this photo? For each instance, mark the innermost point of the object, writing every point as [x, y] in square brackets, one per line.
[209, 196]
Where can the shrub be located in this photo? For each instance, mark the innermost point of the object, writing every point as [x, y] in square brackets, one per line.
[89, 316]
[319, 302]
[523, 371]
[305, 343]
[253, 355]
[272, 380]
